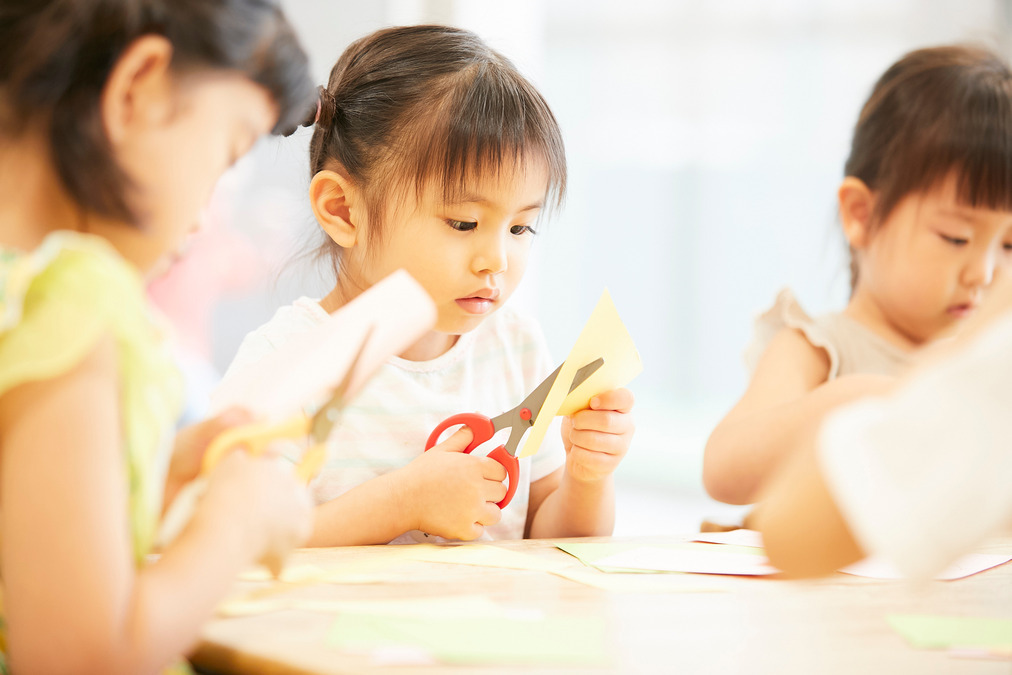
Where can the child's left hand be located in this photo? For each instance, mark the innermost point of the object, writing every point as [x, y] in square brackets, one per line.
[597, 438]
[191, 444]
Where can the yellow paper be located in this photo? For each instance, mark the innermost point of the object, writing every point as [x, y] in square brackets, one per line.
[605, 336]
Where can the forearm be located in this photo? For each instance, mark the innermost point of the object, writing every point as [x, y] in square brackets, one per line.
[147, 623]
[163, 622]
[746, 448]
[575, 509]
[371, 513]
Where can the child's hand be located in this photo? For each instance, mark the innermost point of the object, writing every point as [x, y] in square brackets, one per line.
[597, 438]
[192, 442]
[453, 494]
[262, 495]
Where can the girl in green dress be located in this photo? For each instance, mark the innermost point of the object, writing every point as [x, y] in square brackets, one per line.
[116, 119]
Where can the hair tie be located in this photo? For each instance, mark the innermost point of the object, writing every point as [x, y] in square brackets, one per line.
[326, 108]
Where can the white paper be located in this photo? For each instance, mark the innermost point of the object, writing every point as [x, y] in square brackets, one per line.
[657, 559]
[741, 537]
[877, 568]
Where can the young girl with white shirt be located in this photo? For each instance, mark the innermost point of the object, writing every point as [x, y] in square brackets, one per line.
[926, 207]
[432, 153]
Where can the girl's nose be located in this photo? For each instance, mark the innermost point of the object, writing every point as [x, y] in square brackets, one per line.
[980, 269]
[490, 256]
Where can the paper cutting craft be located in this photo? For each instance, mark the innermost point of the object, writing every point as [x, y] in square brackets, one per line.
[331, 361]
[604, 336]
[518, 420]
[394, 312]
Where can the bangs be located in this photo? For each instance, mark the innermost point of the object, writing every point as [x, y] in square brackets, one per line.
[937, 122]
[490, 122]
[983, 161]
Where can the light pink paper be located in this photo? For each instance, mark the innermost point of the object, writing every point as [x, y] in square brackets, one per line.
[397, 311]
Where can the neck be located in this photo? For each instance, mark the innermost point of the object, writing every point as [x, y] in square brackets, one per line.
[866, 311]
[428, 347]
[33, 202]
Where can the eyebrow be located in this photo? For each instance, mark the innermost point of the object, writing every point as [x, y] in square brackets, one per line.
[484, 201]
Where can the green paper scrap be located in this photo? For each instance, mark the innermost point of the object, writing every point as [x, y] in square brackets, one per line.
[560, 640]
[930, 631]
[590, 553]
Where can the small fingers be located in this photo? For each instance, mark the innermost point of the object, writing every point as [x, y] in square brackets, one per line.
[599, 441]
[472, 533]
[606, 421]
[592, 462]
[492, 470]
[495, 491]
[620, 400]
[457, 442]
[490, 515]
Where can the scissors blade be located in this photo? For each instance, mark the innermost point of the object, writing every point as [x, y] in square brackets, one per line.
[523, 416]
[537, 398]
[326, 417]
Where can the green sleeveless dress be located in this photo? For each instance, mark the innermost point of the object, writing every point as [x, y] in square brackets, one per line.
[56, 302]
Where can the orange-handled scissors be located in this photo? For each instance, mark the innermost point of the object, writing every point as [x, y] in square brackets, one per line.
[255, 438]
[518, 420]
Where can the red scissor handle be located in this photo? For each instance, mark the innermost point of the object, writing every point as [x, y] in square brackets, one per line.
[482, 429]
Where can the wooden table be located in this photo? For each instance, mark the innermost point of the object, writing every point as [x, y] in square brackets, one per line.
[760, 625]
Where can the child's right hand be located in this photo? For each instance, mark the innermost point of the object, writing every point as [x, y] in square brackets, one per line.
[452, 494]
[263, 496]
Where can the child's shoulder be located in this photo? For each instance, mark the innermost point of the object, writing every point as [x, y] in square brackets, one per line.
[787, 321]
[59, 300]
[288, 322]
[69, 269]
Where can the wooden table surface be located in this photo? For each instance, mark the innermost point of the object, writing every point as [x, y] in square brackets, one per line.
[759, 625]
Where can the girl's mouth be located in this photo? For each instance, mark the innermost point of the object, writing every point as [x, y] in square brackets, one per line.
[476, 305]
[961, 311]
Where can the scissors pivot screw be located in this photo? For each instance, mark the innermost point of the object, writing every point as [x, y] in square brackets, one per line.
[525, 414]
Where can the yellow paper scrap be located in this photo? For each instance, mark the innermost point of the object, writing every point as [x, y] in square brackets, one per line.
[604, 335]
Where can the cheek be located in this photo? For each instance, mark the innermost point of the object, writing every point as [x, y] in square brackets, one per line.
[520, 256]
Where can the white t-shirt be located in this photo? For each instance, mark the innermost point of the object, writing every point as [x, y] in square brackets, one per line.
[926, 474]
[489, 370]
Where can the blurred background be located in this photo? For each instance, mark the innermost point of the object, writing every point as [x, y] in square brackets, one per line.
[705, 144]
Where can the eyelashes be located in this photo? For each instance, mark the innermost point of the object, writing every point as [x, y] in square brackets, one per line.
[461, 225]
[467, 226]
[955, 241]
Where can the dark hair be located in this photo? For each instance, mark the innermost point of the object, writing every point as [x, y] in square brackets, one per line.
[55, 57]
[937, 112]
[412, 106]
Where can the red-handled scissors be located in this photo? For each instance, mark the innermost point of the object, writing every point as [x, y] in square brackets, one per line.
[518, 420]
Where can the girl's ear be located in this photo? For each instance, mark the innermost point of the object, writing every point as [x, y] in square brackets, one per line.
[335, 202]
[138, 91]
[857, 205]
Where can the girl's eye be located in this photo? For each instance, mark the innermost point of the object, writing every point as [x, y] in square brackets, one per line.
[521, 229]
[955, 241]
[461, 225]
[1007, 246]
